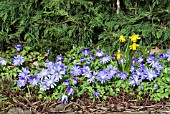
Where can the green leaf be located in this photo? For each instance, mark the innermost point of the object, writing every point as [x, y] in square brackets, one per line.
[104, 97]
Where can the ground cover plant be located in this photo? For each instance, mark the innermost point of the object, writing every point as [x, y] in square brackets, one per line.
[84, 71]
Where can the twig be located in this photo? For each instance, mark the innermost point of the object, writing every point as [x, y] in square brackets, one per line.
[68, 105]
[29, 91]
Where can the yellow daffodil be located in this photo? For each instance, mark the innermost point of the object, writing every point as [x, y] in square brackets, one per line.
[118, 55]
[133, 46]
[134, 38]
[122, 38]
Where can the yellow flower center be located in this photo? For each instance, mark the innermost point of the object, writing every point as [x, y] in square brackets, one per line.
[44, 73]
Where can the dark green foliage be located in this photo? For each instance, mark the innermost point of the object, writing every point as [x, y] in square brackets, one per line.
[60, 24]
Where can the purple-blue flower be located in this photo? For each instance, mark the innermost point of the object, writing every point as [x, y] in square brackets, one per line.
[18, 47]
[50, 81]
[48, 52]
[111, 71]
[96, 94]
[135, 80]
[141, 88]
[92, 77]
[82, 59]
[155, 86]
[122, 75]
[140, 60]
[18, 60]
[92, 57]
[22, 81]
[75, 70]
[151, 60]
[132, 68]
[3, 61]
[58, 73]
[149, 74]
[133, 61]
[49, 64]
[99, 53]
[70, 90]
[34, 80]
[141, 67]
[59, 57]
[167, 55]
[86, 71]
[105, 59]
[24, 73]
[102, 76]
[88, 62]
[66, 82]
[43, 86]
[75, 81]
[85, 51]
[43, 73]
[64, 99]
[158, 66]
[113, 57]
[161, 56]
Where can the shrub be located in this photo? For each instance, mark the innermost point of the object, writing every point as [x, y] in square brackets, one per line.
[60, 25]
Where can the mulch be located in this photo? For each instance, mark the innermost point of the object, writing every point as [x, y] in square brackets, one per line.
[124, 103]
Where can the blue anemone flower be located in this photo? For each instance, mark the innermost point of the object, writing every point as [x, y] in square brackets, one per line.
[122, 75]
[57, 73]
[96, 94]
[18, 60]
[66, 82]
[50, 81]
[18, 47]
[70, 90]
[102, 76]
[86, 71]
[34, 80]
[105, 59]
[24, 73]
[155, 86]
[161, 56]
[135, 80]
[22, 81]
[43, 73]
[140, 60]
[111, 71]
[75, 70]
[85, 51]
[92, 78]
[141, 88]
[43, 86]
[64, 99]
[75, 81]
[99, 53]
[149, 74]
[82, 59]
[59, 57]
[3, 61]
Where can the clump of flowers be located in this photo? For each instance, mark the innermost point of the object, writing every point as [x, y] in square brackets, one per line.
[92, 71]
